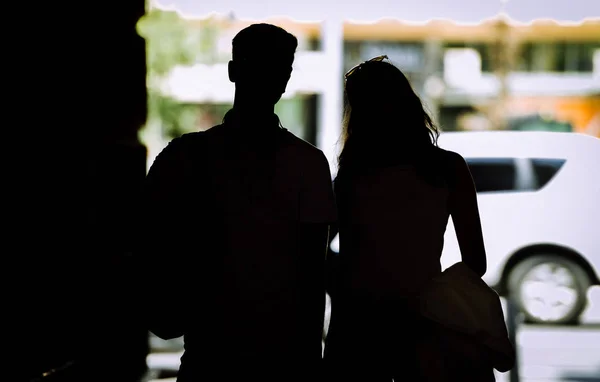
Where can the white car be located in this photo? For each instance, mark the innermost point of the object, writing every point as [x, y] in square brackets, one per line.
[539, 201]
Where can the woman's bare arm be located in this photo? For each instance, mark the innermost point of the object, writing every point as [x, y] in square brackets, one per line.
[465, 215]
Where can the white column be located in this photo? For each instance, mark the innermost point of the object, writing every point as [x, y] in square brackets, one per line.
[331, 101]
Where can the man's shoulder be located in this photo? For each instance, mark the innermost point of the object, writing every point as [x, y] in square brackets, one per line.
[210, 132]
[197, 137]
[301, 147]
[190, 137]
[192, 142]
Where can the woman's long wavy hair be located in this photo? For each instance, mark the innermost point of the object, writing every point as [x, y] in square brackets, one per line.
[385, 122]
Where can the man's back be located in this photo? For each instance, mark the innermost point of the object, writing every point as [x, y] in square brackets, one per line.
[256, 203]
[243, 276]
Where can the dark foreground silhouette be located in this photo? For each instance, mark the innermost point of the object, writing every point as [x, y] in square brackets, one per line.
[395, 191]
[236, 230]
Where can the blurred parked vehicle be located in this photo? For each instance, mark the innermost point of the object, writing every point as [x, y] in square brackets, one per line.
[539, 200]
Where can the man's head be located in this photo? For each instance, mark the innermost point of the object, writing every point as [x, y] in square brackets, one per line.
[262, 60]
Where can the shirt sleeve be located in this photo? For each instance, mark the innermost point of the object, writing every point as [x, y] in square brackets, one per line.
[165, 172]
[317, 201]
[161, 193]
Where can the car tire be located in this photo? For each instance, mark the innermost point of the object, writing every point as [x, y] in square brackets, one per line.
[580, 284]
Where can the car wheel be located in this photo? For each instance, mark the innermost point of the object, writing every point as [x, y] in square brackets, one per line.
[549, 289]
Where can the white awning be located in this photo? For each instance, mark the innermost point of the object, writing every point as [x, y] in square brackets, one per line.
[463, 11]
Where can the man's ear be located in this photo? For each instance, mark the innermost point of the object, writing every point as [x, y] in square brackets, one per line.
[232, 70]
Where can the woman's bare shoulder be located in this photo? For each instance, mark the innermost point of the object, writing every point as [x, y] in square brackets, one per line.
[454, 164]
[451, 156]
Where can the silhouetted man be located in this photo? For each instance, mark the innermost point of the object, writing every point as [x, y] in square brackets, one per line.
[238, 223]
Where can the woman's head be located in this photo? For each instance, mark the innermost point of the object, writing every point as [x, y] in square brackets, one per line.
[382, 111]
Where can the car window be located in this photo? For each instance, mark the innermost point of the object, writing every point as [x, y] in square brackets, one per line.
[545, 170]
[493, 174]
[502, 174]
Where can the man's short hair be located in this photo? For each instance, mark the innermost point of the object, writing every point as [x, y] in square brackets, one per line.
[264, 40]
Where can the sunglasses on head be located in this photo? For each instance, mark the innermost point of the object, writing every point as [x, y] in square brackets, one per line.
[357, 67]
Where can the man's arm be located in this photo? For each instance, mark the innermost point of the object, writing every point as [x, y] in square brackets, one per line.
[318, 212]
[313, 240]
[154, 250]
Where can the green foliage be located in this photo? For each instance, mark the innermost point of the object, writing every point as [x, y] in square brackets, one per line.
[172, 41]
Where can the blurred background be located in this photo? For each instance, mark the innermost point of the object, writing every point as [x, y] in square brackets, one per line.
[497, 74]
[477, 70]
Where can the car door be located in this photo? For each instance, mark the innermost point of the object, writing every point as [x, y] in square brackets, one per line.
[498, 182]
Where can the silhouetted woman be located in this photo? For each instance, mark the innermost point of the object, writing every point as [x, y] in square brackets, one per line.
[395, 191]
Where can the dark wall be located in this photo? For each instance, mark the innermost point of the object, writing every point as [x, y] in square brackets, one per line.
[79, 173]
